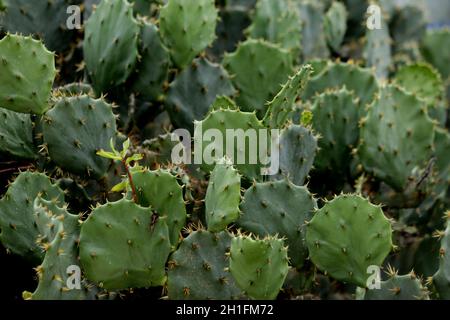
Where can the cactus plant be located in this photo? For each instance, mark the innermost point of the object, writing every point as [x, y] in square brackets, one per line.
[255, 75]
[193, 149]
[120, 251]
[110, 46]
[194, 90]
[89, 126]
[346, 236]
[223, 196]
[187, 27]
[279, 208]
[28, 71]
[197, 270]
[259, 267]
[19, 231]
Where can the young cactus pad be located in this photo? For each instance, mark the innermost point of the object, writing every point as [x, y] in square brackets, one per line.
[27, 71]
[281, 208]
[187, 28]
[223, 196]
[346, 236]
[19, 232]
[111, 44]
[259, 267]
[197, 270]
[120, 248]
[88, 126]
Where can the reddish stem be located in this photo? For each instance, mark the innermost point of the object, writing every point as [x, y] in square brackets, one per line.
[130, 179]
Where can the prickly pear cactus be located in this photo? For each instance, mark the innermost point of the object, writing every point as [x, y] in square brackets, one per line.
[121, 247]
[246, 160]
[280, 109]
[19, 233]
[223, 196]
[348, 235]
[259, 267]
[279, 208]
[193, 149]
[88, 126]
[378, 51]
[337, 75]
[335, 25]
[426, 83]
[153, 66]
[335, 118]
[160, 191]
[195, 89]
[434, 47]
[16, 134]
[187, 27]
[406, 287]
[197, 270]
[404, 136]
[111, 44]
[46, 19]
[28, 71]
[297, 150]
[59, 235]
[277, 22]
[258, 68]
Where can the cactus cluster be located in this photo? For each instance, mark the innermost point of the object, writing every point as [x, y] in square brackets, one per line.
[314, 147]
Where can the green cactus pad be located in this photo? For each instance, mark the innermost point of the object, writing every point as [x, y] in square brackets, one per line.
[121, 249]
[223, 120]
[28, 71]
[281, 107]
[197, 268]
[314, 43]
[230, 30]
[337, 75]
[396, 136]
[223, 102]
[46, 19]
[335, 118]
[187, 28]
[408, 24]
[18, 230]
[279, 208]
[422, 80]
[258, 68]
[441, 278]
[161, 191]
[59, 236]
[378, 51]
[74, 89]
[88, 126]
[259, 267]
[346, 236]
[16, 134]
[277, 22]
[335, 25]
[153, 66]
[298, 147]
[222, 197]
[194, 90]
[435, 48]
[406, 287]
[110, 46]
